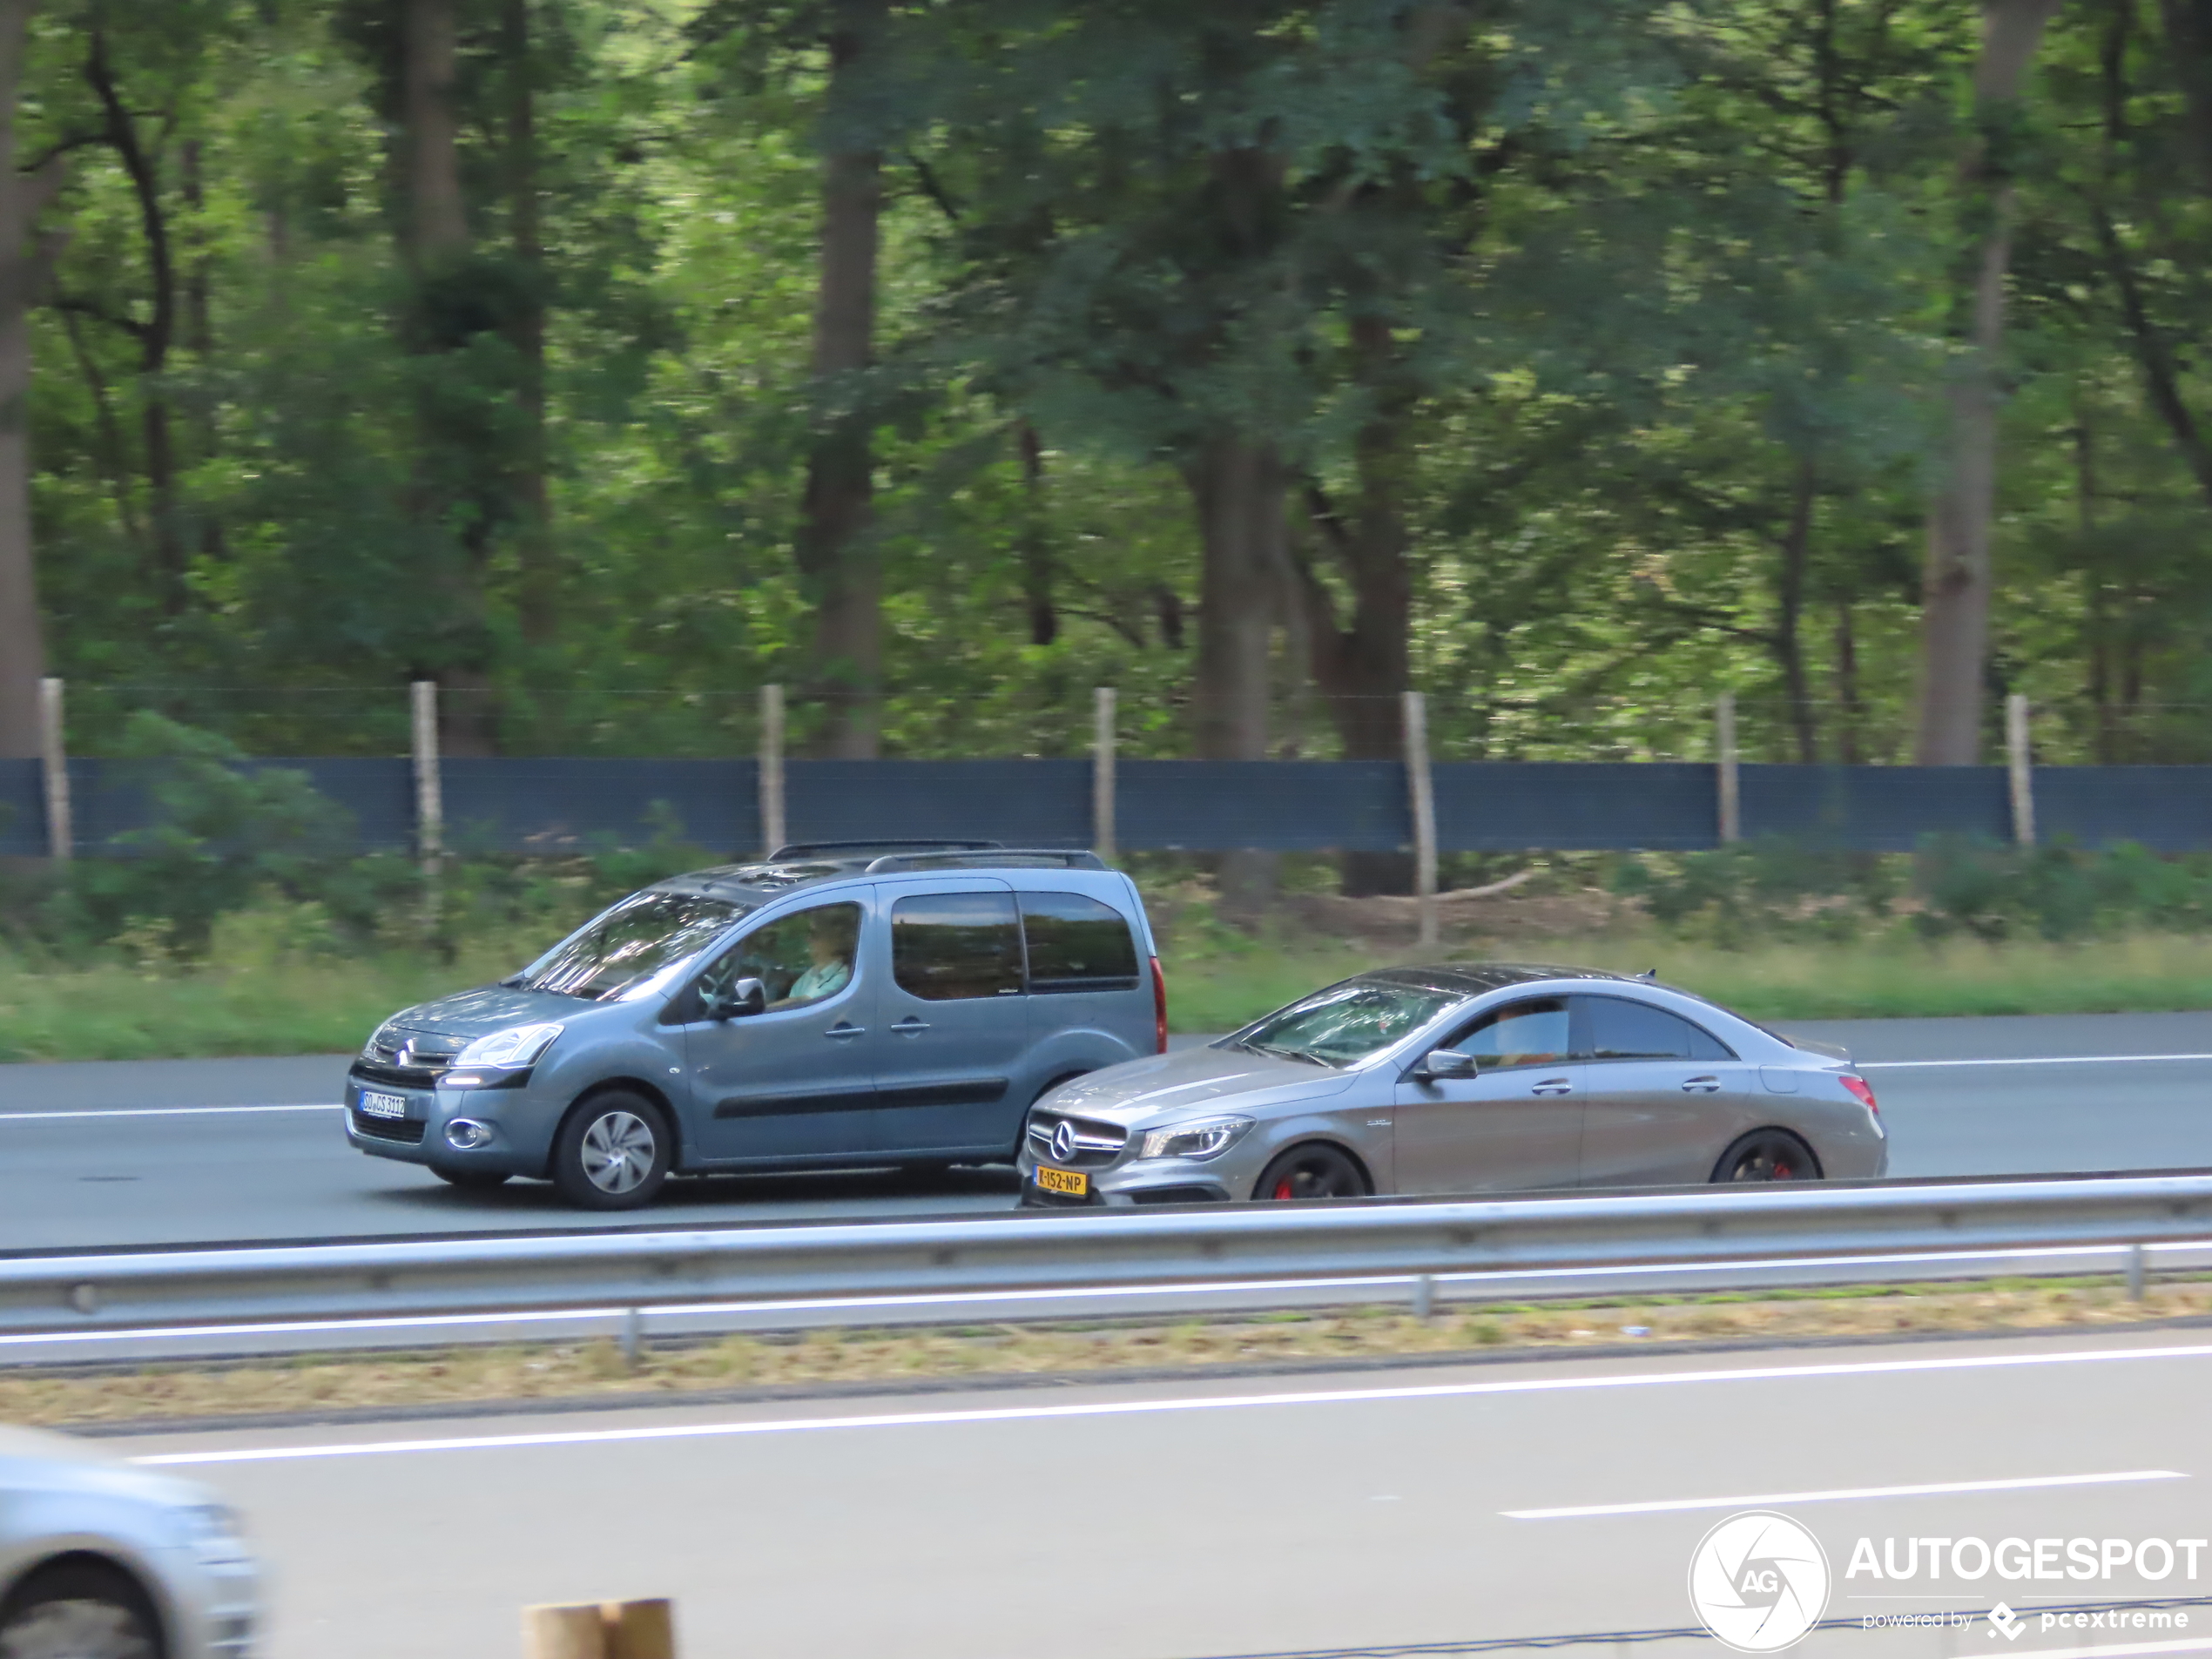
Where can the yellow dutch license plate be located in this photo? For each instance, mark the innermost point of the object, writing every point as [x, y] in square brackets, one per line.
[1071, 1181]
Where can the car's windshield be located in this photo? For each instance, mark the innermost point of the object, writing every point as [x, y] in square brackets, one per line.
[1345, 1024]
[639, 936]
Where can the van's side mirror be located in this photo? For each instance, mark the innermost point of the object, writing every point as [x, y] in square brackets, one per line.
[1444, 1063]
[739, 997]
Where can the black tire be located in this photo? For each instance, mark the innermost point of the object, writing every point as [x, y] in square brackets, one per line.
[1314, 1170]
[613, 1152]
[1767, 1155]
[81, 1607]
[470, 1180]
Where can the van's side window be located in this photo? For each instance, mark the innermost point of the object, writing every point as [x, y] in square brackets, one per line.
[946, 946]
[1076, 944]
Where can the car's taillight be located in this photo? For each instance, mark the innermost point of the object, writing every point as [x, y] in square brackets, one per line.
[1159, 1007]
[1861, 1088]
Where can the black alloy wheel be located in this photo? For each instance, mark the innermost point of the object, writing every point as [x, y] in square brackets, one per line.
[1768, 1155]
[1313, 1171]
[79, 1609]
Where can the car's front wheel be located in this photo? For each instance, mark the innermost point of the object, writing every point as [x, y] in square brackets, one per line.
[1768, 1155]
[1314, 1171]
[78, 1610]
[613, 1152]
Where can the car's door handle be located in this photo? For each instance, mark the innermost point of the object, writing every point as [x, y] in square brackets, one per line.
[1700, 1086]
[1553, 1086]
[843, 1031]
[909, 1027]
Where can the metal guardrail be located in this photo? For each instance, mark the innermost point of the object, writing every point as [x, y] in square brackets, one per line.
[1090, 1248]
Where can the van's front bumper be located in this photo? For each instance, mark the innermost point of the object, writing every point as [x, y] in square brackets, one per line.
[513, 1131]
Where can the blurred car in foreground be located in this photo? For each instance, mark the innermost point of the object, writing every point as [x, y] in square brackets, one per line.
[1459, 1079]
[100, 1559]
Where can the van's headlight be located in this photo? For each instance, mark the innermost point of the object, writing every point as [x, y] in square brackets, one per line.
[518, 1045]
[1204, 1140]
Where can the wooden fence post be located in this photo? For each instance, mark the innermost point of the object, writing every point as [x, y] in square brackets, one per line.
[53, 761]
[2020, 763]
[430, 794]
[600, 1631]
[1102, 772]
[771, 768]
[1421, 797]
[1731, 799]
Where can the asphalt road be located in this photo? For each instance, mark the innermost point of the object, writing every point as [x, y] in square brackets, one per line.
[1242, 1517]
[182, 1151]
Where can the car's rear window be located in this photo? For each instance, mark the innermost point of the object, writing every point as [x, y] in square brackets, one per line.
[1076, 944]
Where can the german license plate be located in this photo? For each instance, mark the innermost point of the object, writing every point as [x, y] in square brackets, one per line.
[374, 1105]
[1074, 1183]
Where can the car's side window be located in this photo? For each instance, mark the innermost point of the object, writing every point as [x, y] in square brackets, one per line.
[1621, 1029]
[1076, 944]
[799, 959]
[949, 946]
[1520, 1034]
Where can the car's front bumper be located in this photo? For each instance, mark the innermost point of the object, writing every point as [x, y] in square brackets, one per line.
[518, 1127]
[1145, 1182]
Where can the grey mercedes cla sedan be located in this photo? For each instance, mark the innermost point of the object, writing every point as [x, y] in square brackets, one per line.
[1461, 1079]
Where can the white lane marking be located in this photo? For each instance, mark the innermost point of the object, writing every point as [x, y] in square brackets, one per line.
[1150, 1407]
[2036, 1060]
[1756, 1500]
[160, 1111]
[943, 1298]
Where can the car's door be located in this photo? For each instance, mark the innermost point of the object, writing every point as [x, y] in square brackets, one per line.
[1516, 1124]
[1659, 1093]
[955, 1018]
[797, 1079]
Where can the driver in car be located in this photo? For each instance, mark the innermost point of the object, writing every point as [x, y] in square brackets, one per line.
[829, 946]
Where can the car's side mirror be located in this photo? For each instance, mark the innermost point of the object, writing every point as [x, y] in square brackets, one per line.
[1444, 1063]
[739, 997]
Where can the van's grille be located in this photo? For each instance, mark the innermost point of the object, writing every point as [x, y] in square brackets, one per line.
[1098, 1144]
[387, 1129]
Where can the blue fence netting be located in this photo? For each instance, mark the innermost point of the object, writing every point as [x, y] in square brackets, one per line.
[557, 805]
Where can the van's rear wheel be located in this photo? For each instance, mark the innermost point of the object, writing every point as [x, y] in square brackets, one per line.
[613, 1152]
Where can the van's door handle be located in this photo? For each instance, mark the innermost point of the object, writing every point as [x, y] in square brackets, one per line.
[909, 1027]
[1553, 1086]
[1700, 1086]
[841, 1032]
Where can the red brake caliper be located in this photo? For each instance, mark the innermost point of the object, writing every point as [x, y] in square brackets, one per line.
[1283, 1188]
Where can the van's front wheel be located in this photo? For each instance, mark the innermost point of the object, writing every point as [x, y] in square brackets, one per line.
[613, 1152]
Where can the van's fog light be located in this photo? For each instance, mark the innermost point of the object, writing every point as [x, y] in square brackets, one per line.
[466, 1134]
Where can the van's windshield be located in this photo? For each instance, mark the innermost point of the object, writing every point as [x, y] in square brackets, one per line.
[637, 938]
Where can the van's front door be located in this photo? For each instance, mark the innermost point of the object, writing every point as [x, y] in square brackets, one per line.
[955, 1025]
[797, 1079]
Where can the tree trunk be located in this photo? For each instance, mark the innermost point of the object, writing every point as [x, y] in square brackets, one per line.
[199, 327]
[1789, 645]
[436, 222]
[1846, 685]
[837, 562]
[1035, 542]
[23, 272]
[158, 334]
[532, 505]
[1954, 629]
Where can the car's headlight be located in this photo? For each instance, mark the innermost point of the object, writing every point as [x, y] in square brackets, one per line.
[214, 1533]
[1209, 1139]
[518, 1045]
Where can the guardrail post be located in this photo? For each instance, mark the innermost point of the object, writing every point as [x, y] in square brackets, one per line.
[600, 1631]
[429, 793]
[2135, 1267]
[771, 768]
[1422, 797]
[1102, 772]
[1425, 1296]
[53, 761]
[1731, 799]
[2020, 763]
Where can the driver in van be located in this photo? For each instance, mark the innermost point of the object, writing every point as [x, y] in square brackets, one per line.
[829, 944]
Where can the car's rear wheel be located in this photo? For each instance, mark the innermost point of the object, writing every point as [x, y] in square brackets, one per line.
[78, 1610]
[613, 1152]
[1768, 1155]
[1312, 1172]
[470, 1180]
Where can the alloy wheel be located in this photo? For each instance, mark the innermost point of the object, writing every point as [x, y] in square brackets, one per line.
[618, 1151]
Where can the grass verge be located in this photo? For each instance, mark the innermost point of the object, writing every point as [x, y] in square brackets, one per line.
[841, 1359]
[249, 1001]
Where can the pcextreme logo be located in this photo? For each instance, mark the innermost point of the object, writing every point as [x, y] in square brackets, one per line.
[1759, 1581]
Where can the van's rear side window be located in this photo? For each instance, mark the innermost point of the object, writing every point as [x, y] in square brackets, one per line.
[1076, 944]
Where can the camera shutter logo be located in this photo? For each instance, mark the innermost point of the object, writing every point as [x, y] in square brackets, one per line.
[1759, 1581]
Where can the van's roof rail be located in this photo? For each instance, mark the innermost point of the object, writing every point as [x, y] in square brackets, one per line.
[1020, 857]
[857, 849]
